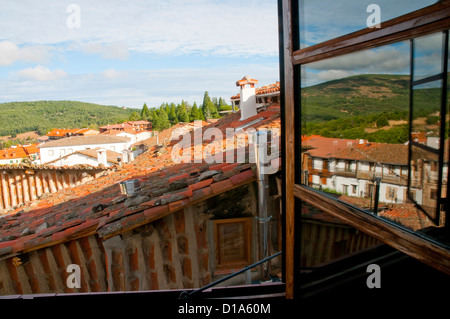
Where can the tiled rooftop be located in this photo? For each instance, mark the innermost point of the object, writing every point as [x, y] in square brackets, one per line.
[327, 147]
[98, 207]
[85, 140]
[20, 151]
[271, 88]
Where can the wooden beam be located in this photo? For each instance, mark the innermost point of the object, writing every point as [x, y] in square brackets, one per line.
[289, 158]
[384, 230]
[431, 19]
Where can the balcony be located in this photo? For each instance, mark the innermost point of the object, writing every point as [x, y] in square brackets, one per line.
[345, 172]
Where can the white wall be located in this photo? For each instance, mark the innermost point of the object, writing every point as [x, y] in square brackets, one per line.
[60, 151]
[77, 159]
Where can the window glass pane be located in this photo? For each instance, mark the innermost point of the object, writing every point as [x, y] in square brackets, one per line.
[445, 170]
[425, 127]
[354, 117]
[427, 56]
[355, 112]
[322, 20]
[425, 180]
[325, 238]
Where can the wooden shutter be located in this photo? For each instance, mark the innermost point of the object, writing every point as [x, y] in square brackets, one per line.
[233, 241]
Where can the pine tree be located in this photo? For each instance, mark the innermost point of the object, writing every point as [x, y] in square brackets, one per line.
[134, 116]
[173, 115]
[145, 112]
[161, 121]
[182, 113]
[195, 113]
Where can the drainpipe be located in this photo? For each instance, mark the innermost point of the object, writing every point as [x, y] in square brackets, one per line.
[260, 141]
[377, 194]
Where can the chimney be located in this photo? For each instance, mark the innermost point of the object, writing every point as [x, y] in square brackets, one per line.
[101, 157]
[125, 158]
[130, 156]
[260, 142]
[247, 102]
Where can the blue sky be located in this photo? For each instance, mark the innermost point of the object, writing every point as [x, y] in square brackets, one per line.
[134, 52]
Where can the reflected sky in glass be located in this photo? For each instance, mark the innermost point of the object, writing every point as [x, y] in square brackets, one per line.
[390, 59]
[322, 20]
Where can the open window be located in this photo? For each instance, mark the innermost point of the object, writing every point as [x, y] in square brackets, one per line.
[429, 122]
[372, 101]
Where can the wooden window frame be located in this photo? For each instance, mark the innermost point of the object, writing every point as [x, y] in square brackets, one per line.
[424, 21]
[247, 240]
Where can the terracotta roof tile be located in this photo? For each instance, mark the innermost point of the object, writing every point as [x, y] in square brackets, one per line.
[98, 206]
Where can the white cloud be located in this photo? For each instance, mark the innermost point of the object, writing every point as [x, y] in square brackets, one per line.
[393, 59]
[115, 50]
[164, 27]
[11, 53]
[134, 88]
[112, 74]
[41, 73]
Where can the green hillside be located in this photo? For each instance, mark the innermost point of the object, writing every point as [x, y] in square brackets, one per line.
[356, 95]
[42, 116]
[364, 106]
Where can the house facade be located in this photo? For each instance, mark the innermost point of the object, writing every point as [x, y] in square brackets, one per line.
[265, 95]
[19, 154]
[55, 150]
[351, 167]
[93, 157]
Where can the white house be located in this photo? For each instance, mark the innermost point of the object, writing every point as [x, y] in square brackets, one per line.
[57, 149]
[94, 157]
[350, 167]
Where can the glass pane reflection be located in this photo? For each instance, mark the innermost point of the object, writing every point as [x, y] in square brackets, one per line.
[355, 133]
[322, 20]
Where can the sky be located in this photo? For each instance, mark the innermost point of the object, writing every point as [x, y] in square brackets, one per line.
[128, 53]
[323, 20]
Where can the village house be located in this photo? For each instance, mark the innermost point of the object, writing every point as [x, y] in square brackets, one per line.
[20, 153]
[264, 96]
[350, 167]
[130, 126]
[56, 133]
[55, 150]
[100, 157]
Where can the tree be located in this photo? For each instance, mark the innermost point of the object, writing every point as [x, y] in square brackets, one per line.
[182, 113]
[145, 112]
[382, 121]
[195, 113]
[209, 108]
[161, 122]
[173, 115]
[134, 116]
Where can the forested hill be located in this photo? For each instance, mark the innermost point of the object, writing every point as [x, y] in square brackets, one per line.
[42, 116]
[356, 95]
[373, 107]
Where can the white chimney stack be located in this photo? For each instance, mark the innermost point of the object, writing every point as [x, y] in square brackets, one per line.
[247, 102]
[101, 157]
[125, 156]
